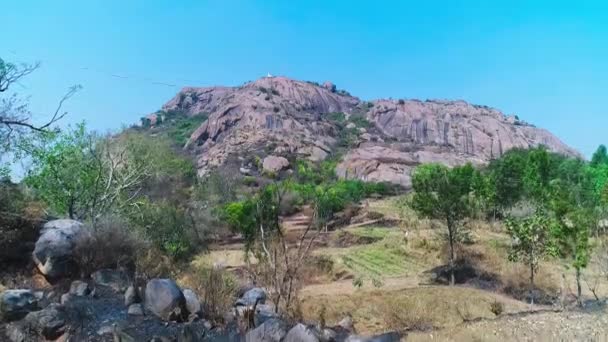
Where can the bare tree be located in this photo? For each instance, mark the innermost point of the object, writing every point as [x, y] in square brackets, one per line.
[15, 117]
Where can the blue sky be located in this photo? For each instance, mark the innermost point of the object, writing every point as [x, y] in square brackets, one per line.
[546, 61]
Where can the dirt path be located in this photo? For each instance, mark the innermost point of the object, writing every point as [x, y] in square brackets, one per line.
[548, 326]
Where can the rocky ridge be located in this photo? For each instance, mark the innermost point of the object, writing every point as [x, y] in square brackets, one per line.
[286, 117]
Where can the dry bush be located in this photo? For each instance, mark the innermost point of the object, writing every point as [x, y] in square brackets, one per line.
[216, 287]
[396, 317]
[317, 269]
[153, 263]
[517, 285]
[110, 245]
[497, 307]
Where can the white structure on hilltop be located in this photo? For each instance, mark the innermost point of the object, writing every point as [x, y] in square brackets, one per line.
[269, 76]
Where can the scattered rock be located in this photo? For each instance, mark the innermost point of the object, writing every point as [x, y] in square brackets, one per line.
[245, 171]
[79, 288]
[54, 248]
[274, 164]
[136, 310]
[347, 323]
[387, 337]
[115, 279]
[273, 330]
[192, 303]
[65, 298]
[252, 296]
[49, 323]
[350, 125]
[15, 304]
[165, 300]
[131, 296]
[301, 333]
[105, 330]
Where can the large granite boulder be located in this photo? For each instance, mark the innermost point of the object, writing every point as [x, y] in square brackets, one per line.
[54, 249]
[15, 304]
[165, 299]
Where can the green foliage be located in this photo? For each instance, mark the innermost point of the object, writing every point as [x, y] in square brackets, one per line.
[600, 157]
[533, 240]
[166, 225]
[65, 170]
[441, 192]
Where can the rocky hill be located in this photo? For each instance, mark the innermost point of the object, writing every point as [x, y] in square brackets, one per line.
[285, 117]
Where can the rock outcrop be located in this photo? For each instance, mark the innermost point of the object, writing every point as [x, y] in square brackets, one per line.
[281, 116]
[15, 304]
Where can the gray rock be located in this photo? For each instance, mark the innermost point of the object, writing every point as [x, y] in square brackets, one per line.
[165, 300]
[274, 164]
[387, 337]
[251, 296]
[301, 333]
[15, 304]
[66, 297]
[49, 323]
[192, 303]
[135, 310]
[16, 333]
[131, 296]
[264, 312]
[273, 330]
[79, 288]
[53, 253]
[105, 330]
[116, 279]
[347, 323]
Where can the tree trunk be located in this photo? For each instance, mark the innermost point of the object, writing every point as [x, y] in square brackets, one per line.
[452, 257]
[531, 275]
[578, 287]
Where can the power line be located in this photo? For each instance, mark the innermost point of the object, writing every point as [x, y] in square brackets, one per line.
[120, 76]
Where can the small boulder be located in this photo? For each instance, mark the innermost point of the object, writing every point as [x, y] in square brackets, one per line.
[15, 304]
[250, 297]
[301, 333]
[54, 249]
[115, 279]
[49, 323]
[192, 303]
[164, 299]
[347, 323]
[66, 297]
[273, 330]
[79, 288]
[351, 125]
[131, 296]
[135, 310]
[274, 164]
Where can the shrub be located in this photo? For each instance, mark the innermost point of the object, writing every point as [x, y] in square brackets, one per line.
[110, 245]
[497, 307]
[217, 289]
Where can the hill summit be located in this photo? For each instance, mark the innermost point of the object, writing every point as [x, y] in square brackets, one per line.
[379, 140]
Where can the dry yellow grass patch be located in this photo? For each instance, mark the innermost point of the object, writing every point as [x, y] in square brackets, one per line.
[416, 308]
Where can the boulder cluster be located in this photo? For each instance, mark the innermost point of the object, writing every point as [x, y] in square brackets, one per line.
[109, 306]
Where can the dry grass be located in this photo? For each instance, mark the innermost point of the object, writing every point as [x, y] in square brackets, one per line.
[416, 308]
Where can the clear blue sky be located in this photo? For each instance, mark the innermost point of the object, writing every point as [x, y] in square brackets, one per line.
[546, 61]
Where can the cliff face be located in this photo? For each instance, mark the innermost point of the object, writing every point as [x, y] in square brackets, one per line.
[283, 116]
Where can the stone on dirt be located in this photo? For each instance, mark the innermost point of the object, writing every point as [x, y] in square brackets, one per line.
[115, 279]
[49, 323]
[135, 310]
[79, 288]
[165, 299]
[192, 302]
[273, 330]
[274, 164]
[301, 333]
[15, 304]
[252, 296]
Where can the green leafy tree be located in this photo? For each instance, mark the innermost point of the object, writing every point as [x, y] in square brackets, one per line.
[573, 204]
[532, 236]
[64, 170]
[443, 193]
[506, 176]
[600, 156]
